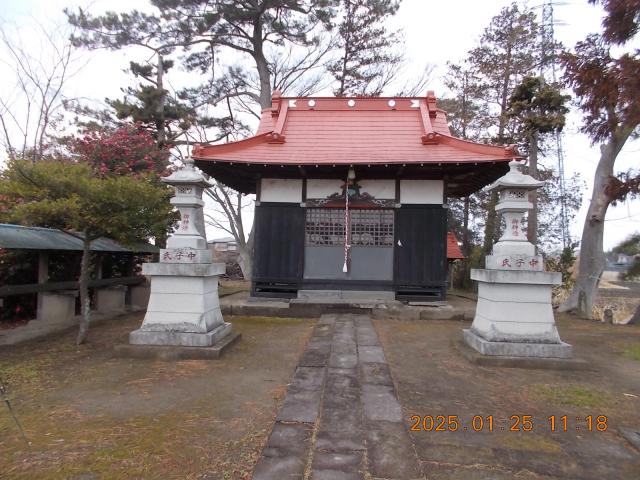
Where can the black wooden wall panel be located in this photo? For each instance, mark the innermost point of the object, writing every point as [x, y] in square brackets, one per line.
[422, 232]
[279, 243]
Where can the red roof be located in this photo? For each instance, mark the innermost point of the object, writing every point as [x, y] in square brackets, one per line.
[453, 250]
[308, 131]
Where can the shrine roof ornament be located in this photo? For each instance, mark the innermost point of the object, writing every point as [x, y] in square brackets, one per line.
[350, 131]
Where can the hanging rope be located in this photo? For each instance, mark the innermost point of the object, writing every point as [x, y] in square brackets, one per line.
[347, 229]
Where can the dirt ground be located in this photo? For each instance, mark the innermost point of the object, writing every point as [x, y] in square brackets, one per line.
[92, 416]
[434, 379]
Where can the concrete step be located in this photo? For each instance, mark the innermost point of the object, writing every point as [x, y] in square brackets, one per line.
[354, 296]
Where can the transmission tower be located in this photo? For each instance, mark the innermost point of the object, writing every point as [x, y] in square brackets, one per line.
[548, 69]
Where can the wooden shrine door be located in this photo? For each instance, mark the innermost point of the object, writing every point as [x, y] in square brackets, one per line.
[420, 266]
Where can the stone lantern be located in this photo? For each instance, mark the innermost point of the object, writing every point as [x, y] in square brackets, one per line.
[184, 309]
[188, 185]
[514, 317]
[513, 251]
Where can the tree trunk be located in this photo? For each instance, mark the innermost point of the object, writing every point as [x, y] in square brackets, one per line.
[591, 261]
[347, 50]
[466, 250]
[85, 301]
[245, 259]
[161, 101]
[532, 221]
[492, 227]
[265, 80]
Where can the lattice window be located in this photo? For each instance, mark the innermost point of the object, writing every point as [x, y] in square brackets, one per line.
[372, 228]
[325, 226]
[369, 228]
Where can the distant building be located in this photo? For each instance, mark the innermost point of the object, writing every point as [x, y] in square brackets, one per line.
[225, 250]
[224, 244]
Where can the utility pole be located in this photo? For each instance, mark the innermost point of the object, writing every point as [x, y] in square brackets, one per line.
[548, 70]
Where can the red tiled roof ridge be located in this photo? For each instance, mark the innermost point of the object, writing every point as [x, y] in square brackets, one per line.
[341, 130]
[506, 151]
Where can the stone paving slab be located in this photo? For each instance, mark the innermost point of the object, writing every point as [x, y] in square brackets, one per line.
[300, 406]
[289, 439]
[370, 354]
[340, 440]
[380, 403]
[307, 378]
[391, 453]
[314, 358]
[275, 468]
[367, 339]
[343, 360]
[375, 373]
[341, 419]
[337, 466]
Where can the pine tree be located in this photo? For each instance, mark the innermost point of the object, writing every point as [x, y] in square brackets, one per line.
[510, 48]
[367, 61]
[539, 109]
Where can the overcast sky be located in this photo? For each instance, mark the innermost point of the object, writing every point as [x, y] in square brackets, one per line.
[435, 32]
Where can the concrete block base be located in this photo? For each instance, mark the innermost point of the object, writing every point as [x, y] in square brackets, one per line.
[140, 296]
[176, 352]
[513, 349]
[183, 339]
[548, 363]
[111, 299]
[56, 306]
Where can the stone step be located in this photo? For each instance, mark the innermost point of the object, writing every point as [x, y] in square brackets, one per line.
[379, 296]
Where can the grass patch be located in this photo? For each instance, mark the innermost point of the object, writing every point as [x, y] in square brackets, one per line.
[268, 320]
[574, 395]
[632, 352]
[530, 442]
[229, 287]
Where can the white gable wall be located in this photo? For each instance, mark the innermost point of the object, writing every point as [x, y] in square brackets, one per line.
[380, 189]
[285, 190]
[421, 191]
[322, 188]
[282, 190]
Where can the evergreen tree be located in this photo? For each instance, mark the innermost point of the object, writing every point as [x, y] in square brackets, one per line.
[539, 109]
[115, 31]
[466, 107]
[367, 62]
[246, 28]
[149, 103]
[510, 48]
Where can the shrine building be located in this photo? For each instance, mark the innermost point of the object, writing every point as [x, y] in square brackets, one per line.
[351, 193]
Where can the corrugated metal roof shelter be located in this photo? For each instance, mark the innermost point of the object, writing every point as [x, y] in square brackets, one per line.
[39, 238]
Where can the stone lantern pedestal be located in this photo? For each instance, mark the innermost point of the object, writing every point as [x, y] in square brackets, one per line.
[184, 308]
[514, 317]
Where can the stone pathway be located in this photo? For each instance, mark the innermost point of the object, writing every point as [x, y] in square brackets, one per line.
[341, 419]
